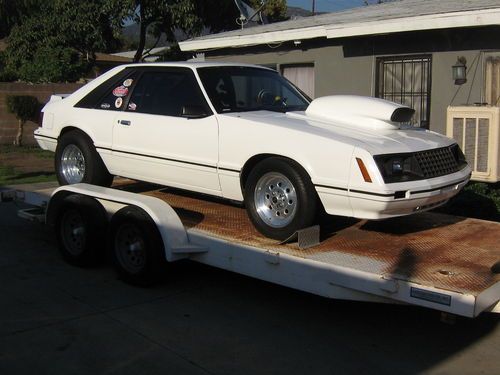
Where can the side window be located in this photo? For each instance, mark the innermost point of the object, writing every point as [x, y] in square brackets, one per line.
[166, 92]
[106, 95]
[116, 96]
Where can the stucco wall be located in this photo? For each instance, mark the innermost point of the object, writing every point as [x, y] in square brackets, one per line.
[9, 123]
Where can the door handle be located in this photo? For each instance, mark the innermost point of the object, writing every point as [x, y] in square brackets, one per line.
[124, 122]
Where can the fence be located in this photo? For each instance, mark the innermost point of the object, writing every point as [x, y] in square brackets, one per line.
[8, 121]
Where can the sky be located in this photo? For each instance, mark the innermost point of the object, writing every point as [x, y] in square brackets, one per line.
[326, 5]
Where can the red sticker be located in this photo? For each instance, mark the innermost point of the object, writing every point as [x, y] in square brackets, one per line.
[120, 91]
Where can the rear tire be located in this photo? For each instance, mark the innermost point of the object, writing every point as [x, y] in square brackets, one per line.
[77, 160]
[136, 247]
[280, 198]
[80, 228]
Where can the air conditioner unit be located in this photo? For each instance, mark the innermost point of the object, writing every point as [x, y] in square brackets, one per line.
[476, 130]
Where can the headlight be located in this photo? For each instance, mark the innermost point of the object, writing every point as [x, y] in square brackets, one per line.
[399, 167]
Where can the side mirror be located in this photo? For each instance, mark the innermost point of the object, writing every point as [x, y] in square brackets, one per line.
[194, 111]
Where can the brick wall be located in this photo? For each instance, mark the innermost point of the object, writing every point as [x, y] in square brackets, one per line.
[8, 122]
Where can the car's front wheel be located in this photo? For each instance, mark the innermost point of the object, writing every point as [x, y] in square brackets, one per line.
[76, 160]
[280, 198]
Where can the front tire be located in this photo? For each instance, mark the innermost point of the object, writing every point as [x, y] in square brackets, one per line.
[76, 161]
[280, 198]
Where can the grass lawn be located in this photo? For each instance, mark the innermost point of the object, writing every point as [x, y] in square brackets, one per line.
[28, 164]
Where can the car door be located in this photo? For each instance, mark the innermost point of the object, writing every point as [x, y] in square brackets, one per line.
[166, 132]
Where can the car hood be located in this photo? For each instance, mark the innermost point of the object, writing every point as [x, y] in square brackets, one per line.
[363, 122]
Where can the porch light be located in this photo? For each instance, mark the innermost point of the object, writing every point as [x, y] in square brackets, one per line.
[459, 71]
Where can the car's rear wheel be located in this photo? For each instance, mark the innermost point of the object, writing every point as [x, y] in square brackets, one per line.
[280, 198]
[77, 161]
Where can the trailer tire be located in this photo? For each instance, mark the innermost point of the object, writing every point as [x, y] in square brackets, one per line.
[80, 227]
[136, 247]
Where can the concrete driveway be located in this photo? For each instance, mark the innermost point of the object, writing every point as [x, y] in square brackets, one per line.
[58, 319]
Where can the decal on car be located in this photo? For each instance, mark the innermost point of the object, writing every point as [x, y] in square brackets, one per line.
[132, 106]
[120, 91]
[118, 102]
[128, 82]
[105, 105]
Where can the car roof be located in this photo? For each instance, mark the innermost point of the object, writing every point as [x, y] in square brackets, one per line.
[194, 64]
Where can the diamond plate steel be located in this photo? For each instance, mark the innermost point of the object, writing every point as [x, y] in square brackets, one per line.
[432, 249]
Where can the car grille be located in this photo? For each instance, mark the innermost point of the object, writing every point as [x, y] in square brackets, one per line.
[437, 162]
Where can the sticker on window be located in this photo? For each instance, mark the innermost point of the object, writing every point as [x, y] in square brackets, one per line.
[128, 82]
[105, 105]
[132, 106]
[120, 91]
[118, 102]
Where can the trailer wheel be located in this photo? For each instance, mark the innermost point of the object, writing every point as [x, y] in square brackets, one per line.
[80, 226]
[280, 198]
[136, 247]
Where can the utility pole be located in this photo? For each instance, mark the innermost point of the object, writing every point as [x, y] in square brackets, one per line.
[313, 6]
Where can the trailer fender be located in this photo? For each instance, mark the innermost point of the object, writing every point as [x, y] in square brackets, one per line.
[173, 233]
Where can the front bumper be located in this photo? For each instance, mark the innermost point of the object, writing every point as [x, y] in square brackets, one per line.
[407, 200]
[391, 200]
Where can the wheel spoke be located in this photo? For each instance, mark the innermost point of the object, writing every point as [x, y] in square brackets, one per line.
[130, 248]
[275, 199]
[72, 164]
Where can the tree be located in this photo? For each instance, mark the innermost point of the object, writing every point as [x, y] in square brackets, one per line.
[274, 10]
[25, 107]
[156, 17]
[64, 27]
[13, 12]
[188, 16]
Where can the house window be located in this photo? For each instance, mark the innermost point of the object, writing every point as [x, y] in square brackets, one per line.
[492, 80]
[301, 76]
[406, 80]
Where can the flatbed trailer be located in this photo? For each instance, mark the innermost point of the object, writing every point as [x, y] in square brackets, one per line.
[433, 260]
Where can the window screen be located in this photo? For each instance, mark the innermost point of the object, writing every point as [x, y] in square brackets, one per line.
[406, 80]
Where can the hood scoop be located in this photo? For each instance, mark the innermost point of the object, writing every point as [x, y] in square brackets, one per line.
[359, 111]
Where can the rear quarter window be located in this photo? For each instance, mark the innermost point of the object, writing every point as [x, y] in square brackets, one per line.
[111, 94]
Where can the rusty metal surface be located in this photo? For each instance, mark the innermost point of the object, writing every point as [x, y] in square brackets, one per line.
[433, 249]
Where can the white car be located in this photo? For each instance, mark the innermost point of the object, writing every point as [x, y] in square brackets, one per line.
[244, 133]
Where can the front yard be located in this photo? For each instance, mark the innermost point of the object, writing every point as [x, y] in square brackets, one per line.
[22, 165]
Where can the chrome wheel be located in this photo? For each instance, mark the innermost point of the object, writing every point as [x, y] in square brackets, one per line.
[275, 199]
[72, 165]
[73, 232]
[130, 248]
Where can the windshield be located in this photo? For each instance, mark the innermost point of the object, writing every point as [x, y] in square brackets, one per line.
[239, 89]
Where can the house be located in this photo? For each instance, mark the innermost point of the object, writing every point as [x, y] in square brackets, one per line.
[403, 51]
[151, 54]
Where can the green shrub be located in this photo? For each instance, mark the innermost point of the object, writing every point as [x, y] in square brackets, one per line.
[25, 108]
[6, 74]
[478, 200]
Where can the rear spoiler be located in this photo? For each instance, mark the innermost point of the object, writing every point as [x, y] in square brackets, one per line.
[57, 97]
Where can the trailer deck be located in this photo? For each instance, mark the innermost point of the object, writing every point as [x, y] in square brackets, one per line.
[434, 249]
